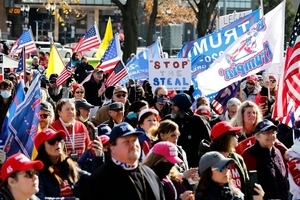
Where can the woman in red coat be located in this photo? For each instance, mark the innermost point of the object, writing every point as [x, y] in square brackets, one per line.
[77, 139]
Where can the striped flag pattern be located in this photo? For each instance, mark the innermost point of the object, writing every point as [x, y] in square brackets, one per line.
[64, 75]
[90, 40]
[288, 97]
[117, 74]
[111, 56]
[25, 40]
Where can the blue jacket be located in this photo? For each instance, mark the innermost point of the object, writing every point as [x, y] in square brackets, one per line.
[50, 189]
[89, 162]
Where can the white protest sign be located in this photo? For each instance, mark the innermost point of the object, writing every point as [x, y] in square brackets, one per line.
[227, 19]
[174, 73]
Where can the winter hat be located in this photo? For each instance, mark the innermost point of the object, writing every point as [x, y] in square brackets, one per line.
[183, 102]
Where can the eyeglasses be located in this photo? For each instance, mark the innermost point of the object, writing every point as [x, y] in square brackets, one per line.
[269, 132]
[221, 169]
[163, 96]
[273, 81]
[250, 83]
[53, 141]
[44, 116]
[77, 92]
[121, 95]
[30, 174]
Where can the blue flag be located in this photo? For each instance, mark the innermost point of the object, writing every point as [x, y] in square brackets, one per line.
[220, 101]
[137, 67]
[207, 49]
[24, 124]
[22, 61]
[18, 98]
[183, 53]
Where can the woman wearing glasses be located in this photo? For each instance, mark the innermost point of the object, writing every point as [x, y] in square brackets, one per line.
[161, 101]
[267, 160]
[61, 177]
[224, 140]
[19, 178]
[215, 179]
[77, 139]
[78, 91]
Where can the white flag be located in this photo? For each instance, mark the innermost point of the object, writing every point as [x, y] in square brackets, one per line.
[259, 48]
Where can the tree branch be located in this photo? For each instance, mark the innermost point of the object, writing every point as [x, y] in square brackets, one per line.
[192, 6]
[119, 4]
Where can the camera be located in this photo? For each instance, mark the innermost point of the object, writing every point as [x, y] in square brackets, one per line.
[74, 156]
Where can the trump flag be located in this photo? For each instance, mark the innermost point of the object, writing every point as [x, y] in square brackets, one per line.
[259, 48]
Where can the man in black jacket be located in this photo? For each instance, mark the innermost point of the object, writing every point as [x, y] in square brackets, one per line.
[123, 177]
[94, 88]
[193, 128]
[81, 72]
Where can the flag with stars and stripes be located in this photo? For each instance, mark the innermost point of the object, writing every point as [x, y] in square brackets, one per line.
[64, 75]
[22, 61]
[112, 56]
[24, 123]
[289, 82]
[118, 73]
[90, 40]
[25, 40]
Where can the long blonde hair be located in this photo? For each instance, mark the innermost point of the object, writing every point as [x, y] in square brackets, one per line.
[238, 119]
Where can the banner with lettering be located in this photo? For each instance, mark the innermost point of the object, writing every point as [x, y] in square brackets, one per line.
[243, 145]
[174, 73]
[227, 19]
[259, 48]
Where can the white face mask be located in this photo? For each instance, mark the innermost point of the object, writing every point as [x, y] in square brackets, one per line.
[5, 94]
[82, 119]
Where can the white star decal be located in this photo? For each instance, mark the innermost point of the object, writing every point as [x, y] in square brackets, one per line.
[297, 167]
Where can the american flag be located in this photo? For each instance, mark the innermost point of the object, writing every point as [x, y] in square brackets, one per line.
[64, 75]
[22, 61]
[118, 73]
[25, 40]
[111, 56]
[288, 98]
[90, 40]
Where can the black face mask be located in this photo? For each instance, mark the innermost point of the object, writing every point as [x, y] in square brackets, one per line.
[163, 169]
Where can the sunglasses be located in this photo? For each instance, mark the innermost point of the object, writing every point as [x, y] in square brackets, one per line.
[44, 116]
[79, 92]
[250, 83]
[11, 78]
[53, 141]
[30, 174]
[27, 73]
[52, 82]
[163, 96]
[121, 95]
[221, 169]
[273, 81]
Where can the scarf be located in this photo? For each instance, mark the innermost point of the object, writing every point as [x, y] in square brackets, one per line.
[125, 166]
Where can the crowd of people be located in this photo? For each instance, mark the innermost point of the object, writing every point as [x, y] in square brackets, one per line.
[132, 142]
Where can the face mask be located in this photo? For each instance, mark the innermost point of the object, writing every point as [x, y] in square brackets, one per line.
[82, 119]
[160, 100]
[163, 169]
[5, 94]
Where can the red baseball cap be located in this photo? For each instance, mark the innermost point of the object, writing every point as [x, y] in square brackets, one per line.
[46, 135]
[104, 139]
[252, 78]
[203, 111]
[223, 127]
[168, 150]
[18, 162]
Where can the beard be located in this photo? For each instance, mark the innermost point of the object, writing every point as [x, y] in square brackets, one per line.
[54, 91]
